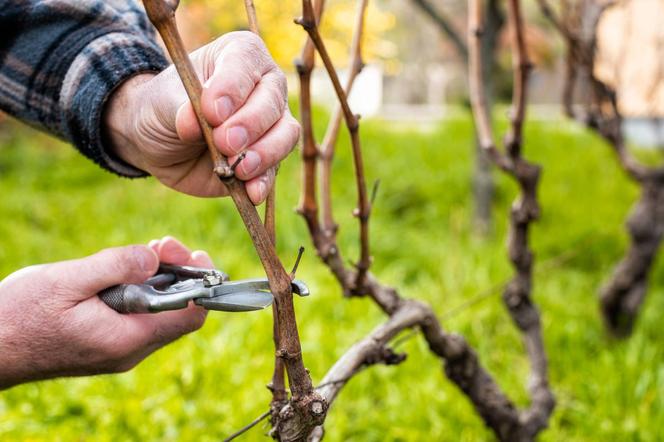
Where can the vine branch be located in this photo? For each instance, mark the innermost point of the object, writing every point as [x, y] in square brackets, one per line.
[308, 405]
[525, 210]
[309, 22]
[355, 66]
[461, 363]
[622, 295]
[278, 383]
[445, 25]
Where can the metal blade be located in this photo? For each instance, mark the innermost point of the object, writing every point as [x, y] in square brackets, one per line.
[244, 301]
[300, 288]
[243, 285]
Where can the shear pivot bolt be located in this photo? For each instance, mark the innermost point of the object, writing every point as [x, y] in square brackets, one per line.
[212, 279]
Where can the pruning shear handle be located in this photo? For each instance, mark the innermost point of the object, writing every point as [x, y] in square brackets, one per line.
[173, 287]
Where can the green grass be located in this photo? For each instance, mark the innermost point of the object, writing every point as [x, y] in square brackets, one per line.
[56, 205]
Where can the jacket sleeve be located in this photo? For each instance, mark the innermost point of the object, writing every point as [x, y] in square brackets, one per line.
[61, 59]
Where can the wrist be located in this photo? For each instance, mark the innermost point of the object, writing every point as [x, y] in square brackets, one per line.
[119, 119]
[11, 373]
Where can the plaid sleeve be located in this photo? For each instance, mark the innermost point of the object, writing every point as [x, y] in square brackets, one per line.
[61, 59]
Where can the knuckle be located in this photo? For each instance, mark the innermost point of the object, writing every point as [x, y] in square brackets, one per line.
[195, 321]
[251, 39]
[241, 85]
[295, 130]
[111, 260]
[250, 78]
[248, 44]
[254, 50]
[277, 106]
[282, 83]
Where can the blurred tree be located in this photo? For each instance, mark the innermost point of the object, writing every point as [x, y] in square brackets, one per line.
[201, 20]
[451, 24]
[449, 18]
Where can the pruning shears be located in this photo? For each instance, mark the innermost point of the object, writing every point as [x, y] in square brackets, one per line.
[173, 287]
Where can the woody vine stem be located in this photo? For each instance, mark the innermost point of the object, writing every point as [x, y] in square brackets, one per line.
[621, 297]
[307, 406]
[461, 363]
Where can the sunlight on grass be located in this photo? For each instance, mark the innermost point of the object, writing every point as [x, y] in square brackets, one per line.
[57, 205]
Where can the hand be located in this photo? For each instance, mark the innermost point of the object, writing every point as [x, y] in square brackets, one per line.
[54, 324]
[151, 123]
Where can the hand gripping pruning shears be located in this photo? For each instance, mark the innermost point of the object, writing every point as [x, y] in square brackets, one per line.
[173, 287]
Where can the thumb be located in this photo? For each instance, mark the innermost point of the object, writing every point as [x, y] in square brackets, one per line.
[86, 277]
[168, 106]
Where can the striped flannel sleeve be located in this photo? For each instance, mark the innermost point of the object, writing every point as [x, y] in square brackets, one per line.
[61, 59]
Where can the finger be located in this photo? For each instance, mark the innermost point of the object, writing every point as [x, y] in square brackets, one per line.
[164, 327]
[150, 331]
[259, 187]
[270, 149]
[200, 258]
[87, 276]
[136, 336]
[161, 328]
[172, 251]
[117, 342]
[239, 66]
[263, 109]
[154, 245]
[198, 180]
[168, 104]
[186, 124]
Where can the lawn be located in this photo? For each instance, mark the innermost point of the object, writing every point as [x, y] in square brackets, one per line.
[56, 205]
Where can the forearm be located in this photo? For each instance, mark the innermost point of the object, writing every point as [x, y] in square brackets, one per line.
[61, 62]
[119, 120]
[10, 373]
[24, 349]
[53, 324]
[24, 361]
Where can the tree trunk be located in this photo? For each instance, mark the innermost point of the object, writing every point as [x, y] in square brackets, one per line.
[483, 182]
[622, 296]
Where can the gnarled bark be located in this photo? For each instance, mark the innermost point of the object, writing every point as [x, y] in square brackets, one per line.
[622, 295]
[461, 364]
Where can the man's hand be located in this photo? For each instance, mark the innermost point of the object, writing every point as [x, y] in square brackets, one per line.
[53, 324]
[151, 123]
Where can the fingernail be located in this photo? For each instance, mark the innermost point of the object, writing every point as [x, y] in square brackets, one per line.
[251, 162]
[144, 258]
[237, 138]
[153, 243]
[200, 254]
[262, 190]
[224, 108]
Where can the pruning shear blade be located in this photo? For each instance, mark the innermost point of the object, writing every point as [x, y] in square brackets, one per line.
[173, 287]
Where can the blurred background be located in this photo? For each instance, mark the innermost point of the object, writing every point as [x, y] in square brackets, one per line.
[413, 99]
[416, 71]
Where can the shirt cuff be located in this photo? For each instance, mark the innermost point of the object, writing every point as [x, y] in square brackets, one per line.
[96, 71]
